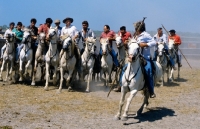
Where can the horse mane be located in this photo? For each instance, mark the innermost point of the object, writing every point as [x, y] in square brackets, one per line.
[91, 40]
[103, 40]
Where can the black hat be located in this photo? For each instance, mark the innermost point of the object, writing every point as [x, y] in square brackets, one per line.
[68, 18]
[49, 20]
[19, 23]
[172, 31]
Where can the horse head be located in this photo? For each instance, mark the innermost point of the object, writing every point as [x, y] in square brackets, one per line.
[52, 33]
[118, 40]
[67, 41]
[171, 45]
[10, 37]
[160, 48]
[133, 52]
[90, 44]
[26, 36]
[42, 37]
[105, 46]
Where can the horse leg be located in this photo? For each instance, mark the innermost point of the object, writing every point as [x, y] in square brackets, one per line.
[129, 99]
[70, 78]
[103, 79]
[178, 72]
[1, 79]
[88, 80]
[54, 75]
[20, 70]
[26, 67]
[47, 77]
[121, 103]
[61, 79]
[34, 73]
[171, 75]
[7, 73]
[145, 101]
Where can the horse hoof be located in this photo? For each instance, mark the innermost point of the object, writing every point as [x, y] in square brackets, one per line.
[1, 79]
[46, 88]
[20, 79]
[87, 91]
[124, 118]
[33, 84]
[70, 89]
[116, 118]
[10, 82]
[58, 91]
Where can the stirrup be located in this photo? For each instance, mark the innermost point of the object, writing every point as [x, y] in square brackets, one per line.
[152, 95]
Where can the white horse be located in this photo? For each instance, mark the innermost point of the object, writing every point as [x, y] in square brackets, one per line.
[88, 60]
[8, 56]
[163, 60]
[67, 62]
[122, 53]
[106, 61]
[133, 81]
[174, 55]
[52, 56]
[26, 54]
[39, 56]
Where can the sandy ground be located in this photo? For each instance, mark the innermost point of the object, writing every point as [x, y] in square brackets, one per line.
[23, 106]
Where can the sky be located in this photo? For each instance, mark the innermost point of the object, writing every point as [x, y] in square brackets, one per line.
[181, 15]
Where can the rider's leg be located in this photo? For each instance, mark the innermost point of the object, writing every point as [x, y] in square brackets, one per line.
[114, 56]
[149, 79]
[19, 48]
[170, 59]
[155, 55]
[118, 89]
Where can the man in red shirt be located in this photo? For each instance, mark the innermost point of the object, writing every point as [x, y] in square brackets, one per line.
[177, 42]
[125, 35]
[107, 33]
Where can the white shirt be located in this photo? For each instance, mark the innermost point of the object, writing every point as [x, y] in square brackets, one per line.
[8, 31]
[146, 38]
[163, 38]
[71, 31]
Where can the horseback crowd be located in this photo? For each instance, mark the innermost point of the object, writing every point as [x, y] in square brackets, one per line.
[59, 47]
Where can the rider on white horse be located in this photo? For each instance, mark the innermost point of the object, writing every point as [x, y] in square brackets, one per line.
[73, 33]
[8, 31]
[44, 28]
[125, 35]
[177, 42]
[59, 28]
[19, 36]
[111, 37]
[160, 37]
[145, 41]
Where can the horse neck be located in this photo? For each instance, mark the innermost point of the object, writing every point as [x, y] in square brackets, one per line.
[53, 45]
[9, 47]
[122, 53]
[27, 46]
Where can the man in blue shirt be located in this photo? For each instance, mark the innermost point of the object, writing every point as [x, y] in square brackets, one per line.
[19, 36]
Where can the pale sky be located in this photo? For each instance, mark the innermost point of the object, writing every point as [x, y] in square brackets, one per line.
[181, 15]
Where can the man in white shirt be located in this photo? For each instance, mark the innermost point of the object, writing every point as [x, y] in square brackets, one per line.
[8, 31]
[160, 37]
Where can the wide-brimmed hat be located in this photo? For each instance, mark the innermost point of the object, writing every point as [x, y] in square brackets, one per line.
[172, 31]
[57, 21]
[68, 18]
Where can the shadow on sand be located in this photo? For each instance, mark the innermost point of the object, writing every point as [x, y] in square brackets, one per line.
[153, 114]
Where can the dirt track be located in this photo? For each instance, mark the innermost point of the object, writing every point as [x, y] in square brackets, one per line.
[27, 107]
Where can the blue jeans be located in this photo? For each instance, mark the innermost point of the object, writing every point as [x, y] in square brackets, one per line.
[166, 51]
[149, 75]
[18, 49]
[114, 56]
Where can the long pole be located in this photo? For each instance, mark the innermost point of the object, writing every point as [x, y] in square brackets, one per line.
[178, 48]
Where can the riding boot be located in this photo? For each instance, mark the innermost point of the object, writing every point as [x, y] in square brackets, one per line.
[179, 61]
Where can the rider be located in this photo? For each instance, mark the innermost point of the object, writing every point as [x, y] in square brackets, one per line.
[177, 42]
[85, 33]
[125, 35]
[59, 28]
[8, 31]
[160, 37]
[145, 41]
[19, 36]
[73, 33]
[45, 29]
[34, 33]
[107, 33]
